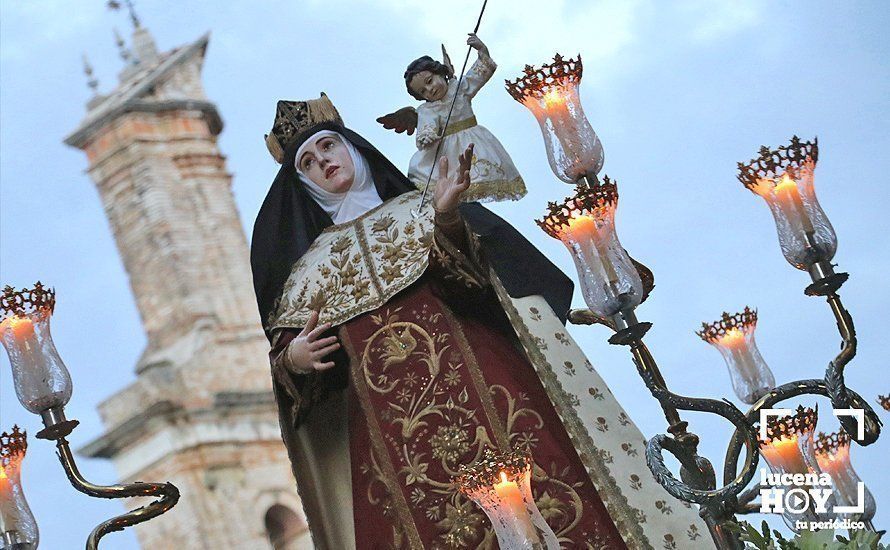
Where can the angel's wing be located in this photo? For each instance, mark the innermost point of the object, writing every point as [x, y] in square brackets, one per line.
[403, 120]
[447, 61]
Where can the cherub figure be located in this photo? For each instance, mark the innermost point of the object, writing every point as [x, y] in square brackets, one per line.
[493, 174]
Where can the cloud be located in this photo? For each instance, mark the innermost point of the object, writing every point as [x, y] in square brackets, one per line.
[531, 31]
[29, 25]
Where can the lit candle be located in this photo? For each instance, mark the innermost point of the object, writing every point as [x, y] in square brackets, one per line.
[789, 446]
[833, 457]
[585, 224]
[551, 94]
[500, 485]
[41, 380]
[29, 359]
[784, 177]
[17, 525]
[22, 328]
[789, 199]
[583, 228]
[734, 341]
[733, 336]
[514, 506]
[785, 454]
[788, 449]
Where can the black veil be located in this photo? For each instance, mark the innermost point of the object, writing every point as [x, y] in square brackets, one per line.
[290, 220]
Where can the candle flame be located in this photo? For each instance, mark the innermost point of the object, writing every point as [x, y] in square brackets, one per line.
[785, 183]
[22, 327]
[553, 97]
[504, 477]
[783, 443]
[579, 221]
[733, 338]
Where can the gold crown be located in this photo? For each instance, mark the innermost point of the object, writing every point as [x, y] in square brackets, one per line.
[535, 82]
[293, 120]
[786, 427]
[743, 320]
[585, 201]
[773, 163]
[20, 303]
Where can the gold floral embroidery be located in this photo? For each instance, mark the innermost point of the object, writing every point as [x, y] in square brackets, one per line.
[357, 266]
[433, 404]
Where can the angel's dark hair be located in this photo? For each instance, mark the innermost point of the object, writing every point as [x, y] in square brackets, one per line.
[425, 63]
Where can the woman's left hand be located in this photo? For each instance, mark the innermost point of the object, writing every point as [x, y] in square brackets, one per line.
[446, 198]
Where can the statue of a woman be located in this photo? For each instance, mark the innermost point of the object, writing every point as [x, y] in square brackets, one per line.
[404, 346]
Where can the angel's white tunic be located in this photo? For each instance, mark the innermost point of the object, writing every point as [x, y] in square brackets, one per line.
[492, 172]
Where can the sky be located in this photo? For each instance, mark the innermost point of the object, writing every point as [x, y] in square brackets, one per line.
[678, 92]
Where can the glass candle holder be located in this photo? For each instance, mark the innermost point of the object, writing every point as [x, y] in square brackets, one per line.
[833, 457]
[42, 382]
[18, 529]
[733, 336]
[551, 94]
[585, 223]
[500, 483]
[789, 449]
[784, 178]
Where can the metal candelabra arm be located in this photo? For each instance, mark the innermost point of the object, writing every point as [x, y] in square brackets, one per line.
[698, 479]
[707, 494]
[841, 396]
[168, 493]
[826, 283]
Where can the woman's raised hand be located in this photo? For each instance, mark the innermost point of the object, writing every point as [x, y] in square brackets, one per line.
[306, 352]
[446, 198]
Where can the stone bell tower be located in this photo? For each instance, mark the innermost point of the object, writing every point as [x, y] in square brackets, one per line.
[201, 413]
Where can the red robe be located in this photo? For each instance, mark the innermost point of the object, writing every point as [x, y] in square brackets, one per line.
[429, 391]
[435, 377]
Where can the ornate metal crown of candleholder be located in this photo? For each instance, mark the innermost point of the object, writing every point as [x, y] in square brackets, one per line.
[830, 445]
[585, 224]
[773, 163]
[587, 201]
[536, 83]
[791, 426]
[43, 386]
[714, 332]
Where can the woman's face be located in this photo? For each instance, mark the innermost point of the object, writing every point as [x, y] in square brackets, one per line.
[327, 163]
[429, 86]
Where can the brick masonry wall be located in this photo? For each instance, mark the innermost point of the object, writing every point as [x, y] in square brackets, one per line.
[167, 195]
